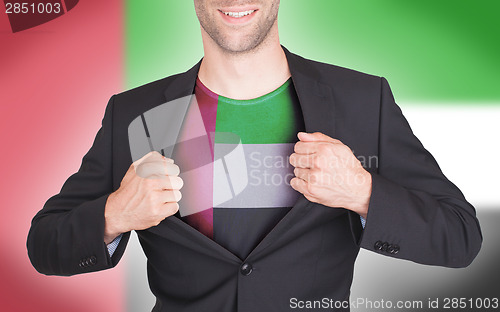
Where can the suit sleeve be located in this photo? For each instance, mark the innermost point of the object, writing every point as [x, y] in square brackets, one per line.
[67, 236]
[415, 212]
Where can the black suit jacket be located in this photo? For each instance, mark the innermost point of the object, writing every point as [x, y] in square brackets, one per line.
[415, 212]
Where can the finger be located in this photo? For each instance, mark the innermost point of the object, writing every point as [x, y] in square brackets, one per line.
[304, 147]
[157, 157]
[135, 164]
[172, 169]
[150, 170]
[301, 186]
[311, 176]
[171, 183]
[170, 196]
[166, 183]
[316, 137]
[171, 208]
[157, 169]
[152, 154]
[301, 173]
[169, 160]
[302, 161]
[298, 184]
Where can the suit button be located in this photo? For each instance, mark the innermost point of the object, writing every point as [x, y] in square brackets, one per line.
[395, 249]
[246, 269]
[378, 245]
[93, 260]
[390, 249]
[384, 246]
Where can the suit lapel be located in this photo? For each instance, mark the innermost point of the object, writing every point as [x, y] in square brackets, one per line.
[183, 85]
[315, 97]
[317, 104]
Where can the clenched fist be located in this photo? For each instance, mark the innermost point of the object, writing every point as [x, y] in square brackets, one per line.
[327, 172]
[148, 193]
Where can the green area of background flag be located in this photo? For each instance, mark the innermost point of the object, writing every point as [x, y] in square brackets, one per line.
[429, 50]
[440, 57]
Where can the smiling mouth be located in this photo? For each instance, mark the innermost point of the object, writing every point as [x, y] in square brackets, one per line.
[239, 14]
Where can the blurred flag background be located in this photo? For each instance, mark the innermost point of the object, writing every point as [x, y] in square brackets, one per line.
[441, 59]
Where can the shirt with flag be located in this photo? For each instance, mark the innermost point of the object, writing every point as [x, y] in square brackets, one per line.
[238, 197]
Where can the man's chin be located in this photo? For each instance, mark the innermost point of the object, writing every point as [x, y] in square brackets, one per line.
[239, 46]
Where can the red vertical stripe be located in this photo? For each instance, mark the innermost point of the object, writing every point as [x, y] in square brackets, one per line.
[196, 205]
[55, 80]
[207, 101]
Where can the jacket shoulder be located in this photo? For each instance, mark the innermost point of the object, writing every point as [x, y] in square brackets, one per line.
[339, 75]
[134, 102]
[152, 90]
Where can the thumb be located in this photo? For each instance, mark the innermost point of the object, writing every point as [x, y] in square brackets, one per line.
[316, 137]
[147, 156]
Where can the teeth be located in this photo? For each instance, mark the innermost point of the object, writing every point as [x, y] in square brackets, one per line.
[239, 14]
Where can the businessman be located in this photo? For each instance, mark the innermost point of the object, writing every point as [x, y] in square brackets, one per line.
[264, 243]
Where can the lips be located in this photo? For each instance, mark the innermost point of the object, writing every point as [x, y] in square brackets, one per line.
[237, 15]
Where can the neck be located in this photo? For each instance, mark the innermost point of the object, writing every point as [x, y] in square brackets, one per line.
[245, 75]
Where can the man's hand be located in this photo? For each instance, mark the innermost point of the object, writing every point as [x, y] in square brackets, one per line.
[327, 172]
[148, 193]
